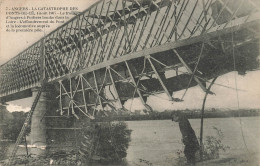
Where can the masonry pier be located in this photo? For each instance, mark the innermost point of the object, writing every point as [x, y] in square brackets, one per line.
[38, 124]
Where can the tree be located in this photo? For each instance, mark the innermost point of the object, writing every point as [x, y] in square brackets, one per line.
[14, 125]
[105, 142]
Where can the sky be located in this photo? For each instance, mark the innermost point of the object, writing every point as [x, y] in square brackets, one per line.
[247, 97]
[13, 43]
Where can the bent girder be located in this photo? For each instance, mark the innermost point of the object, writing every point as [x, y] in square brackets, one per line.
[113, 31]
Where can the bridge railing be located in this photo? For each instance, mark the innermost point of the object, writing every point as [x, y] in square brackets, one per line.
[114, 28]
[21, 72]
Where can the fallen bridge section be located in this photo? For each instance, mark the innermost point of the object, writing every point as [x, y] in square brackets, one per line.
[142, 38]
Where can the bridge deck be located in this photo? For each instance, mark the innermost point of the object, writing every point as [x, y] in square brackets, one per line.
[110, 32]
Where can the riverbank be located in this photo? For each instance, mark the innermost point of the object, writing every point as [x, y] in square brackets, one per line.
[245, 159]
[157, 141]
[190, 114]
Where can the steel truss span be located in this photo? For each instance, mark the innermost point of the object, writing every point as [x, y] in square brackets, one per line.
[121, 49]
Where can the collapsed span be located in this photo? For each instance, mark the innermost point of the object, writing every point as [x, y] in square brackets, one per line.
[119, 49]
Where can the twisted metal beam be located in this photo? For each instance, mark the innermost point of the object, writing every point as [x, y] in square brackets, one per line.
[113, 31]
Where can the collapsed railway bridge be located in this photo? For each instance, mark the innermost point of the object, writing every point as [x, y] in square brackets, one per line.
[118, 50]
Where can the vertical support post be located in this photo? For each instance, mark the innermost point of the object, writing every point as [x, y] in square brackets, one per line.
[202, 118]
[98, 95]
[201, 128]
[114, 86]
[60, 100]
[160, 79]
[72, 101]
[26, 147]
[83, 93]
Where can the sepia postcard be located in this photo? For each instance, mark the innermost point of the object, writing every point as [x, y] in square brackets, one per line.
[130, 82]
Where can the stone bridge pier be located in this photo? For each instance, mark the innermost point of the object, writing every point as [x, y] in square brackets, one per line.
[38, 123]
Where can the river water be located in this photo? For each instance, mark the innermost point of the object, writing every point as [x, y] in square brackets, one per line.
[157, 141]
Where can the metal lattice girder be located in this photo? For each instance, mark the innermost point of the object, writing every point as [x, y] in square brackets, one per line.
[190, 71]
[144, 75]
[85, 94]
[21, 72]
[117, 30]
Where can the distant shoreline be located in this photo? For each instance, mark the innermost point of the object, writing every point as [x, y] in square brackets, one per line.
[190, 114]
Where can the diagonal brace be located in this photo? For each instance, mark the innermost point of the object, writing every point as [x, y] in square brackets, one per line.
[114, 86]
[190, 72]
[160, 79]
[135, 84]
